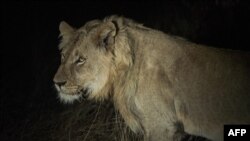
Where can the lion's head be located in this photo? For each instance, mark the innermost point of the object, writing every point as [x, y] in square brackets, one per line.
[88, 60]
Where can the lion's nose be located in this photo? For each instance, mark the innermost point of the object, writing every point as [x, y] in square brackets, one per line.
[60, 83]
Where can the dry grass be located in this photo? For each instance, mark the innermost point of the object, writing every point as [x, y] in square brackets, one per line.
[86, 121]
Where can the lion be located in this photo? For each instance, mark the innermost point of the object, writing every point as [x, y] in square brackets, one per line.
[165, 87]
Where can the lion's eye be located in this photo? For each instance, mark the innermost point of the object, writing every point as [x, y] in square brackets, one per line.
[80, 60]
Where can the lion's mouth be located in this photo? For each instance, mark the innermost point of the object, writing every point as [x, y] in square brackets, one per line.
[69, 95]
[84, 93]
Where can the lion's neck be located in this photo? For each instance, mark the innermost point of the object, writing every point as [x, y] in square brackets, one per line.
[124, 90]
[126, 80]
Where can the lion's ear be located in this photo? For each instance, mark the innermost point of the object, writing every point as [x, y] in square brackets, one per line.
[106, 35]
[65, 29]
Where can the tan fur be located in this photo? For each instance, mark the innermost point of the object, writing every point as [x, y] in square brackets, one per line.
[163, 86]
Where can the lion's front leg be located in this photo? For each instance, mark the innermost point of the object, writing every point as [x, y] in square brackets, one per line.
[165, 136]
[178, 136]
[173, 132]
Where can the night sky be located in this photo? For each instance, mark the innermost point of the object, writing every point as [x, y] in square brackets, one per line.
[30, 55]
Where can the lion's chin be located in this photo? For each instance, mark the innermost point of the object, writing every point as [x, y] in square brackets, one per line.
[68, 98]
[71, 97]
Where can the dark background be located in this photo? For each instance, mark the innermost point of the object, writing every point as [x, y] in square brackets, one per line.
[29, 108]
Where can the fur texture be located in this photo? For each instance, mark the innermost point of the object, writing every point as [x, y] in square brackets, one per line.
[163, 86]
